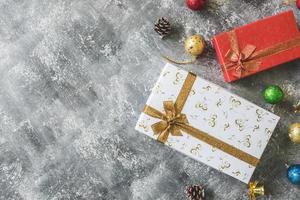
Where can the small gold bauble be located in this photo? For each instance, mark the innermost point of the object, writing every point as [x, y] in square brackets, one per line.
[194, 45]
[294, 132]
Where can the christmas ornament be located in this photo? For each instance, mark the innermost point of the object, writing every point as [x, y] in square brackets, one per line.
[294, 132]
[162, 27]
[194, 45]
[255, 190]
[273, 94]
[195, 4]
[195, 192]
[293, 174]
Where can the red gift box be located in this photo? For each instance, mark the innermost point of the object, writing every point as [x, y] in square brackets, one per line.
[258, 46]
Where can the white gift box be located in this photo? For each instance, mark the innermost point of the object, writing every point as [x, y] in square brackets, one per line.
[233, 132]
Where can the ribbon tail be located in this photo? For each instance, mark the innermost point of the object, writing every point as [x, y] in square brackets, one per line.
[252, 66]
[175, 131]
[180, 62]
[248, 67]
[238, 73]
[229, 66]
[163, 137]
[252, 197]
[233, 58]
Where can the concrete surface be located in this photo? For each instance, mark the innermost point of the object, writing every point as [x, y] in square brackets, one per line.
[74, 78]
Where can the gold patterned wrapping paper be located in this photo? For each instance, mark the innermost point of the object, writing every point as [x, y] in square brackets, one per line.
[207, 123]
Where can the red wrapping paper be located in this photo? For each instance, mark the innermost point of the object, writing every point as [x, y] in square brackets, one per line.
[262, 34]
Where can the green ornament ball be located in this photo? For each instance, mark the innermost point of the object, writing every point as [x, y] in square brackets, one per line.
[273, 94]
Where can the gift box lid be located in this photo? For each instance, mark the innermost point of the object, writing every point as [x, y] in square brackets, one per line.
[262, 34]
[212, 126]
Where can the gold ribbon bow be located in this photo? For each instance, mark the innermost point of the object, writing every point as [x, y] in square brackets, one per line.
[249, 59]
[174, 122]
[255, 190]
[170, 123]
[238, 61]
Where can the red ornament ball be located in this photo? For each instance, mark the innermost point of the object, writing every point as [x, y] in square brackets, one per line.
[298, 4]
[195, 4]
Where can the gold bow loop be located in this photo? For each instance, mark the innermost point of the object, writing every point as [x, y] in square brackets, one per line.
[241, 62]
[170, 124]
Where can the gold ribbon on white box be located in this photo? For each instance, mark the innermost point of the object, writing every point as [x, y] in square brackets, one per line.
[174, 122]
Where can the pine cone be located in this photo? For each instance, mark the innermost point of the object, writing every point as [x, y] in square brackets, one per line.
[195, 192]
[162, 27]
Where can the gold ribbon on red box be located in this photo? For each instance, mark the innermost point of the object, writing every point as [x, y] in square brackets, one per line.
[248, 60]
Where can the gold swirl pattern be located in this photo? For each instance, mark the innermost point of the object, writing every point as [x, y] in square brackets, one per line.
[196, 150]
[235, 102]
[192, 93]
[268, 131]
[240, 124]
[179, 76]
[225, 165]
[236, 173]
[143, 126]
[259, 115]
[207, 88]
[201, 106]
[247, 142]
[256, 127]
[226, 126]
[212, 120]
[158, 90]
[219, 103]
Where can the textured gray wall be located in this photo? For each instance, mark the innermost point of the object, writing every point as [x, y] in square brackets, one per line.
[74, 78]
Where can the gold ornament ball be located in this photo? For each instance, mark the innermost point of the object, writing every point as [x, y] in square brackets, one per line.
[194, 45]
[294, 132]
